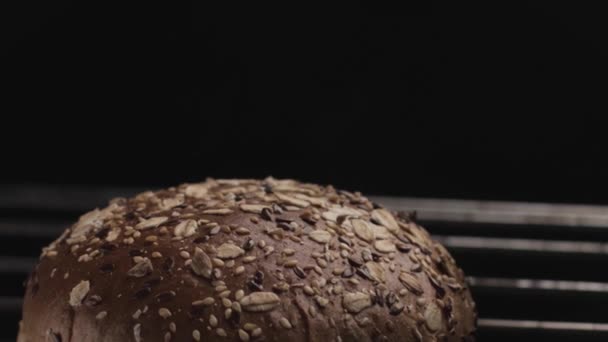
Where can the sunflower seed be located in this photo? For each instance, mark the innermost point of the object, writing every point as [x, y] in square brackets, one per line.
[320, 236]
[185, 228]
[376, 270]
[385, 246]
[229, 251]
[151, 222]
[386, 219]
[292, 200]
[252, 208]
[356, 302]
[411, 282]
[433, 317]
[79, 292]
[172, 202]
[141, 269]
[260, 301]
[201, 263]
[220, 211]
[197, 190]
[362, 229]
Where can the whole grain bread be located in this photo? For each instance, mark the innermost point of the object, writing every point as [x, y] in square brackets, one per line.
[246, 260]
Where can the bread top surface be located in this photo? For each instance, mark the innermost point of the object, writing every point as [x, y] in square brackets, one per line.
[247, 260]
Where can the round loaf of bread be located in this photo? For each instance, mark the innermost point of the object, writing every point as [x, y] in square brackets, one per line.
[246, 260]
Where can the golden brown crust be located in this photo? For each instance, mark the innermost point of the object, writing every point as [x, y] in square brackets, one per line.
[230, 260]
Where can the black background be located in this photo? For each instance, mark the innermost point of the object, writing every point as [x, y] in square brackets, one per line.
[477, 100]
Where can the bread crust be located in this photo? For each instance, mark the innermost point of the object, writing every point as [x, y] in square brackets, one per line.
[246, 260]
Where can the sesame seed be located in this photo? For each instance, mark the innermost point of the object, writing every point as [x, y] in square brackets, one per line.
[137, 332]
[249, 259]
[285, 323]
[156, 255]
[184, 254]
[243, 335]
[249, 326]
[164, 313]
[213, 321]
[137, 314]
[321, 301]
[205, 302]
[290, 263]
[138, 259]
[256, 332]
[243, 231]
[239, 270]
[221, 288]
[196, 335]
[308, 290]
